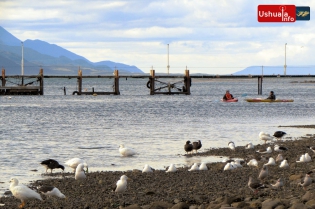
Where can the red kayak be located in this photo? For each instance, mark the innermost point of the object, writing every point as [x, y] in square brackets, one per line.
[230, 100]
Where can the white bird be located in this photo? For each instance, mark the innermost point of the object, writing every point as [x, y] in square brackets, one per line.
[268, 151]
[121, 185]
[51, 191]
[303, 159]
[203, 167]
[265, 137]
[237, 163]
[307, 180]
[171, 169]
[74, 162]
[308, 157]
[284, 164]
[253, 162]
[194, 167]
[271, 161]
[279, 158]
[278, 184]
[311, 148]
[79, 172]
[228, 167]
[125, 151]
[231, 145]
[22, 192]
[147, 169]
[249, 146]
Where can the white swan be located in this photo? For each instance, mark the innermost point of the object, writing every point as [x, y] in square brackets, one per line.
[124, 151]
[79, 172]
[74, 162]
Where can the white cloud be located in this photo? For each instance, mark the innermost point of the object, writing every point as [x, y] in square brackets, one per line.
[209, 36]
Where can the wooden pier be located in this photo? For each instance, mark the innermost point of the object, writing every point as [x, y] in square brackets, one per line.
[155, 84]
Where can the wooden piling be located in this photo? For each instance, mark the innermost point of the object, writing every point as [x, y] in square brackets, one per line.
[79, 82]
[187, 82]
[260, 80]
[152, 79]
[41, 82]
[3, 77]
[116, 84]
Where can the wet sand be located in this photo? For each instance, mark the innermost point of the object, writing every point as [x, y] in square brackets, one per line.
[214, 188]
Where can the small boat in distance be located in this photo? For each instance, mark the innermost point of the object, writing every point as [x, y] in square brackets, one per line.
[230, 100]
[268, 100]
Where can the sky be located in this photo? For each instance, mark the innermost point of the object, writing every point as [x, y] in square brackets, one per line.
[203, 36]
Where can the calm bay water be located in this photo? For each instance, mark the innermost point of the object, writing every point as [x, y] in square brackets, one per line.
[35, 128]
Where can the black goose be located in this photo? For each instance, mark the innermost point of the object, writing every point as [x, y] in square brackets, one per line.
[196, 145]
[188, 147]
[51, 164]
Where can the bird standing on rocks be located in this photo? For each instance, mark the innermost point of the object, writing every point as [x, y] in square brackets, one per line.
[279, 134]
[278, 148]
[171, 169]
[74, 162]
[147, 169]
[279, 158]
[51, 164]
[79, 172]
[51, 191]
[231, 145]
[194, 167]
[311, 148]
[249, 146]
[267, 151]
[121, 185]
[263, 173]
[278, 184]
[265, 137]
[271, 161]
[196, 145]
[188, 147]
[307, 180]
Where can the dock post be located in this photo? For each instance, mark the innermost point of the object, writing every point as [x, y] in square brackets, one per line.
[152, 79]
[79, 81]
[41, 82]
[260, 80]
[116, 84]
[3, 77]
[187, 82]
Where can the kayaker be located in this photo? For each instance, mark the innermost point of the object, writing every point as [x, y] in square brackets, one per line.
[272, 96]
[227, 95]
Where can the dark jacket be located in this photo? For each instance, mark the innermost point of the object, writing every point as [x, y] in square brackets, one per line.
[272, 96]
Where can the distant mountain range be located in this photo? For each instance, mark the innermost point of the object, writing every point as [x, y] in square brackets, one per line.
[275, 70]
[54, 59]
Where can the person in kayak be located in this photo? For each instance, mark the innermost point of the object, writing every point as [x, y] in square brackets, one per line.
[227, 95]
[272, 96]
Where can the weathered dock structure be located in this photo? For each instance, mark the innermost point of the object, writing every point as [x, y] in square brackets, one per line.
[155, 83]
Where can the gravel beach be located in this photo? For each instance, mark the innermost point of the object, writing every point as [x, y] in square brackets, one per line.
[214, 188]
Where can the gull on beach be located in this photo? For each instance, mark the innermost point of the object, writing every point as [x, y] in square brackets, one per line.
[196, 146]
[228, 167]
[203, 167]
[125, 151]
[278, 148]
[51, 164]
[194, 167]
[79, 172]
[121, 185]
[22, 192]
[237, 163]
[253, 162]
[267, 151]
[307, 180]
[279, 158]
[265, 137]
[147, 169]
[284, 164]
[271, 161]
[278, 184]
[74, 162]
[51, 191]
[311, 148]
[263, 173]
[231, 145]
[249, 146]
[171, 169]
[304, 158]
[188, 147]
